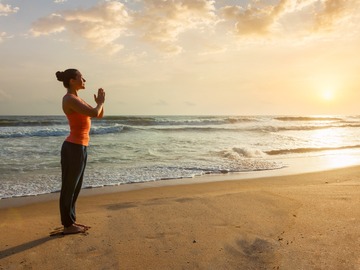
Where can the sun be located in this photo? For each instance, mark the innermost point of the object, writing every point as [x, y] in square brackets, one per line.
[327, 94]
[327, 86]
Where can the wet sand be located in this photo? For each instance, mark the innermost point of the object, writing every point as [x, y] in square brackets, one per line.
[305, 221]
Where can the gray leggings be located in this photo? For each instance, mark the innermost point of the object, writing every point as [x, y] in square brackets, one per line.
[73, 163]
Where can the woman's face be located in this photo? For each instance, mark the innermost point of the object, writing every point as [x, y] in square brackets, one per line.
[78, 82]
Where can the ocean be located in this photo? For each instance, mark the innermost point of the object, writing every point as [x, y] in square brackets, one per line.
[130, 149]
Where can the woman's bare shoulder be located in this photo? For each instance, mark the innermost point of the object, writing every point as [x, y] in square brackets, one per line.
[72, 99]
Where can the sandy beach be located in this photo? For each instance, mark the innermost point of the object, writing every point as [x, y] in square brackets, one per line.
[307, 221]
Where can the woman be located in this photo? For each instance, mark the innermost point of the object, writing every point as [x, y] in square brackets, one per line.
[73, 151]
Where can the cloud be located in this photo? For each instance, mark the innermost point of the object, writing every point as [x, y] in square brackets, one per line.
[59, 1]
[333, 11]
[100, 26]
[251, 19]
[5, 10]
[161, 22]
[3, 36]
[261, 19]
[258, 18]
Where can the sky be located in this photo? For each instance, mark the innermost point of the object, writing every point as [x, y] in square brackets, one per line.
[183, 57]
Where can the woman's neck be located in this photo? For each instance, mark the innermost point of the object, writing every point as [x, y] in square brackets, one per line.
[72, 91]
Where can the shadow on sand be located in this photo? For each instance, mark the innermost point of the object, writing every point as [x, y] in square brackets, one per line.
[23, 247]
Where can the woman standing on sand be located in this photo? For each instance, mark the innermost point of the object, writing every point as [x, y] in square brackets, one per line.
[73, 151]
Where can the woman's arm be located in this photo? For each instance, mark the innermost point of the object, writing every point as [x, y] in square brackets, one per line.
[73, 104]
[101, 113]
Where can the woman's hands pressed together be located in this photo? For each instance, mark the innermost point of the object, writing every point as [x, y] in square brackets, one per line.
[100, 98]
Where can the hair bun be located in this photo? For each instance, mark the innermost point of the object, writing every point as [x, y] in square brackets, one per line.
[60, 76]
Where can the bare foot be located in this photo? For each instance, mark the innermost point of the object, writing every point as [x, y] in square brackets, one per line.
[83, 226]
[73, 229]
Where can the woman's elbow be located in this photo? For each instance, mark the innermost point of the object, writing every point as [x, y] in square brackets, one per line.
[96, 114]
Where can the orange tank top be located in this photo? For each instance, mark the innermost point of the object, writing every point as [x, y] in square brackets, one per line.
[79, 128]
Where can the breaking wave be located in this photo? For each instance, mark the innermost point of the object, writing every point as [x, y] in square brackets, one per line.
[308, 150]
